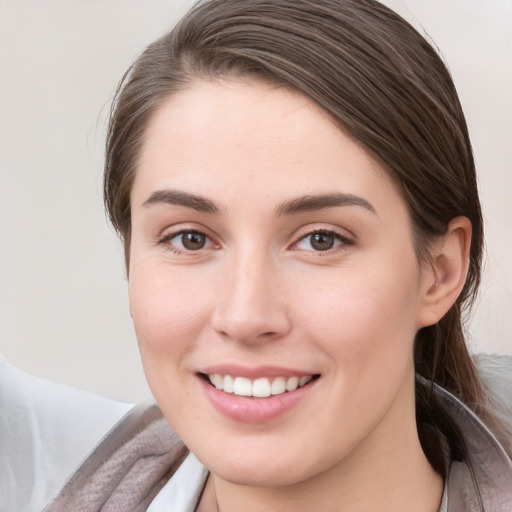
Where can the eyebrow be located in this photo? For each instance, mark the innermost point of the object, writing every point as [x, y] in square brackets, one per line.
[321, 202]
[178, 198]
[297, 205]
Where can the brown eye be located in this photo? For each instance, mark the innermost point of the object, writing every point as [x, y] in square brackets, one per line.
[186, 241]
[322, 241]
[192, 240]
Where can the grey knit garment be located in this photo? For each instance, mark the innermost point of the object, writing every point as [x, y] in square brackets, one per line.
[127, 469]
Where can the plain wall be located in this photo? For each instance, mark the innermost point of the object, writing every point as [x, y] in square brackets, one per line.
[63, 306]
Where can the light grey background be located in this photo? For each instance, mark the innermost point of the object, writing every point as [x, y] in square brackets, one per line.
[63, 306]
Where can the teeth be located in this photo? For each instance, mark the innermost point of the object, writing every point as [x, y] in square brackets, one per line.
[304, 380]
[228, 384]
[242, 386]
[292, 383]
[278, 386]
[217, 381]
[260, 388]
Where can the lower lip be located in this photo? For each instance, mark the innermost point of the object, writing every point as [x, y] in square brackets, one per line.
[254, 410]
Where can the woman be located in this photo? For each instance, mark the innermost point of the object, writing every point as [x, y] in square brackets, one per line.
[294, 185]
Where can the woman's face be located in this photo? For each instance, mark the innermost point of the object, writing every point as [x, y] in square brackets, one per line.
[270, 251]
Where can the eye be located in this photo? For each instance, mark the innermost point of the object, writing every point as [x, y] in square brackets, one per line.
[320, 241]
[186, 241]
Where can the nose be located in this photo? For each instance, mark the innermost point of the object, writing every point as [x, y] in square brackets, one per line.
[251, 307]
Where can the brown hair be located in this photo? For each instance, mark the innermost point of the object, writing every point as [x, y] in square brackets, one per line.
[375, 75]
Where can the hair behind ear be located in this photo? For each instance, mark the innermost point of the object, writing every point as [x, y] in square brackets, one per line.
[441, 354]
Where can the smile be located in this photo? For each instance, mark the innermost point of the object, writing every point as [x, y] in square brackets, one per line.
[253, 398]
[262, 387]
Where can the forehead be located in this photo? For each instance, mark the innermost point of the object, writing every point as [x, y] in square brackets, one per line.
[238, 115]
[218, 135]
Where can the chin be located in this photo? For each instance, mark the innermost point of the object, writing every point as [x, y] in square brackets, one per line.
[259, 467]
[259, 475]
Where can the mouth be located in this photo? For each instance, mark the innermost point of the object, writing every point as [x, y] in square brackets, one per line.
[257, 395]
[262, 387]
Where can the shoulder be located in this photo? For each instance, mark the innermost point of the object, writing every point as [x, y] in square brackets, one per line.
[495, 372]
[46, 429]
[129, 467]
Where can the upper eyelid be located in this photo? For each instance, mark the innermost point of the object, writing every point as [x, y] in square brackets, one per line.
[171, 231]
[173, 234]
[307, 231]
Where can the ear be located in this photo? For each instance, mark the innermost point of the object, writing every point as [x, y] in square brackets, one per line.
[444, 279]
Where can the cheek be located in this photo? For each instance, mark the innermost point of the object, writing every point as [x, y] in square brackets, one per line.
[365, 324]
[365, 319]
[169, 314]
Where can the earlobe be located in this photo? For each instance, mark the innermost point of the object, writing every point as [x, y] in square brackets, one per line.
[444, 281]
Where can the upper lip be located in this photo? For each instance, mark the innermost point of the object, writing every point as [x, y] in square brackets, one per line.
[255, 372]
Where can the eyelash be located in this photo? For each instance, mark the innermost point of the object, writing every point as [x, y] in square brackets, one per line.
[343, 240]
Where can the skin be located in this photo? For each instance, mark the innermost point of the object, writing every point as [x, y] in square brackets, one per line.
[258, 293]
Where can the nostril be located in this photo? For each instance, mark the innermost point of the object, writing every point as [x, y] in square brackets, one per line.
[268, 334]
